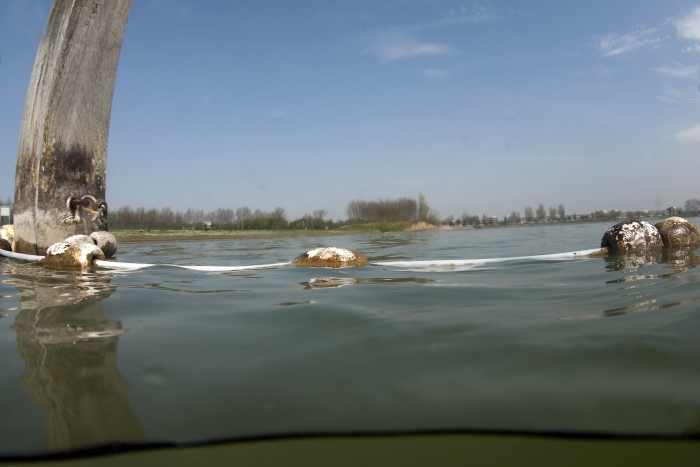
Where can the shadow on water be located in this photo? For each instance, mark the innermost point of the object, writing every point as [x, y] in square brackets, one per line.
[69, 347]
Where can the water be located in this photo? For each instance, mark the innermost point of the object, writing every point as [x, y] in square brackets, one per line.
[581, 347]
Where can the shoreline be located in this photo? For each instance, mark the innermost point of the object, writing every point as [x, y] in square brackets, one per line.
[130, 236]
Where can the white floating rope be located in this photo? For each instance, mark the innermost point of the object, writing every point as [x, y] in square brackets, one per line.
[476, 262]
[445, 264]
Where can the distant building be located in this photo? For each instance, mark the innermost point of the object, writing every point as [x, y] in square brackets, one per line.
[4, 214]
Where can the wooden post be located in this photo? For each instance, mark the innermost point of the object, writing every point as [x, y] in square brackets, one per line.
[63, 140]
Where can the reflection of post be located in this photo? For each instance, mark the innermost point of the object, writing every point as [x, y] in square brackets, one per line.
[69, 348]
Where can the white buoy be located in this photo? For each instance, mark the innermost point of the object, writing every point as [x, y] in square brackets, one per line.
[7, 236]
[106, 242]
[78, 239]
[63, 255]
[330, 257]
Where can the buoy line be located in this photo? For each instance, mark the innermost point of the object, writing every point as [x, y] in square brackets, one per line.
[81, 251]
[444, 263]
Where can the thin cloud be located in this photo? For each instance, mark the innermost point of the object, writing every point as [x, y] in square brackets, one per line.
[679, 71]
[689, 25]
[399, 42]
[477, 12]
[611, 45]
[396, 46]
[680, 96]
[691, 134]
[435, 73]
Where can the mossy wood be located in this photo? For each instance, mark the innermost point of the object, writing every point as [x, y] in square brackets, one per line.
[63, 141]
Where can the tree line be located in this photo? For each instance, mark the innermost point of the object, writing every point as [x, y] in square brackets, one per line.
[140, 218]
[690, 208]
[243, 218]
[398, 210]
[358, 212]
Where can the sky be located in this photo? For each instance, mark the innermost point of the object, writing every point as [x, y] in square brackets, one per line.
[485, 107]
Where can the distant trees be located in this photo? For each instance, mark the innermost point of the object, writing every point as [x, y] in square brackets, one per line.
[382, 211]
[127, 217]
[692, 205]
[402, 209]
[541, 213]
[425, 213]
[399, 210]
[470, 220]
[313, 221]
[561, 210]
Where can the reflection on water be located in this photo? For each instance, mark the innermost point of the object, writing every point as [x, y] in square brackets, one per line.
[678, 260]
[69, 347]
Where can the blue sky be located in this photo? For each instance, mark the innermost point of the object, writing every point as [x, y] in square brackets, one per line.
[485, 107]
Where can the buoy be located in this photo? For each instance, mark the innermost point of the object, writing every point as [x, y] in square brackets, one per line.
[63, 255]
[330, 257]
[78, 239]
[676, 231]
[631, 235]
[106, 242]
[7, 236]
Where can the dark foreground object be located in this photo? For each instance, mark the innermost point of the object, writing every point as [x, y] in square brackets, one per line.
[412, 450]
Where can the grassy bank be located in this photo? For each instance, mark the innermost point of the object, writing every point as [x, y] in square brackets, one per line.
[127, 236]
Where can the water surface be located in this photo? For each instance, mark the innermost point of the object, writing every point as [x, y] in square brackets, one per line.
[605, 346]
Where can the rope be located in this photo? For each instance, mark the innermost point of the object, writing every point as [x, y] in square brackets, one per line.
[446, 264]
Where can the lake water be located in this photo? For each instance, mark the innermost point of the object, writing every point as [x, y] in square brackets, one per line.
[590, 347]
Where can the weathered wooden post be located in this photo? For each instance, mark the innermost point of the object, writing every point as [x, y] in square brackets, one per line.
[62, 149]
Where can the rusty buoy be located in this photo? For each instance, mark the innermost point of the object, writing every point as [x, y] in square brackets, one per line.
[676, 231]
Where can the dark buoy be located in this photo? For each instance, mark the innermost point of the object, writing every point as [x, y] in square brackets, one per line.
[676, 231]
[630, 236]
